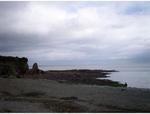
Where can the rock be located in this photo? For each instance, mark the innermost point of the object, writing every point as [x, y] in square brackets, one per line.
[35, 66]
[35, 69]
[125, 84]
[13, 66]
[6, 70]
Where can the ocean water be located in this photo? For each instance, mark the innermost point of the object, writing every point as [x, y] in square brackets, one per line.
[135, 75]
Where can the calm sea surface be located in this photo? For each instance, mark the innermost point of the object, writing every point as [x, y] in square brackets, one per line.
[134, 75]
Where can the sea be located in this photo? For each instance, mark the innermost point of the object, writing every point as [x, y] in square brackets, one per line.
[135, 75]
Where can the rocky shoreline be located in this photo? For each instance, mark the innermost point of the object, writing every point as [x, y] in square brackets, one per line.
[80, 90]
[78, 76]
[15, 67]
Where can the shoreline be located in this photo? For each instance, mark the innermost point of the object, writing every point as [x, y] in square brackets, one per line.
[76, 90]
[78, 76]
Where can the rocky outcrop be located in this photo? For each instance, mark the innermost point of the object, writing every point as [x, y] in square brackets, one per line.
[13, 66]
[35, 70]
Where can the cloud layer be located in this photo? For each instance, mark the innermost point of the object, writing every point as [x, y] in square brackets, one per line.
[75, 32]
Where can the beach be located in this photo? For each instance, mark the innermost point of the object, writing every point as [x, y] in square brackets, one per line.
[77, 90]
[74, 56]
[42, 95]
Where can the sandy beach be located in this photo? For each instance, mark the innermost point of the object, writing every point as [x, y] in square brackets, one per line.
[41, 95]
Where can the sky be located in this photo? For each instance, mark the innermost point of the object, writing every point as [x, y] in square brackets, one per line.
[68, 33]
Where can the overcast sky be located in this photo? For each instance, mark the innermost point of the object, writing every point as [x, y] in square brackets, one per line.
[76, 32]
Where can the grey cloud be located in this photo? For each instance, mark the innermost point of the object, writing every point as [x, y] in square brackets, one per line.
[15, 42]
[72, 34]
[143, 57]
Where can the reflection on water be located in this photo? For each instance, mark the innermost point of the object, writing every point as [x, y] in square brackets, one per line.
[134, 75]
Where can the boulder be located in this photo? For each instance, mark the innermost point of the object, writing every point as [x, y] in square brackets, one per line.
[35, 69]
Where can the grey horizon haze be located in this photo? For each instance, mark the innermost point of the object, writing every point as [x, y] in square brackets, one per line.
[60, 33]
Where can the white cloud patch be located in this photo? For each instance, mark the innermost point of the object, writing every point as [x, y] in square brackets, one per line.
[92, 33]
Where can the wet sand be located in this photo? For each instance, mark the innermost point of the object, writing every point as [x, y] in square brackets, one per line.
[42, 95]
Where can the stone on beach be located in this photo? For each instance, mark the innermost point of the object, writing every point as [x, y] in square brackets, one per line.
[35, 69]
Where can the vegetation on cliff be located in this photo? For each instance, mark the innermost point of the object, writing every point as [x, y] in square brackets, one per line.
[13, 66]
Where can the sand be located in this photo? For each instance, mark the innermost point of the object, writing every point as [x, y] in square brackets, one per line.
[41, 95]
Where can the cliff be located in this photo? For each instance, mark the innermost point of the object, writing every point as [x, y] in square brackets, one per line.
[13, 66]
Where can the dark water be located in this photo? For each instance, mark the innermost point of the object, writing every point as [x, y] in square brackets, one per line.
[134, 75]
